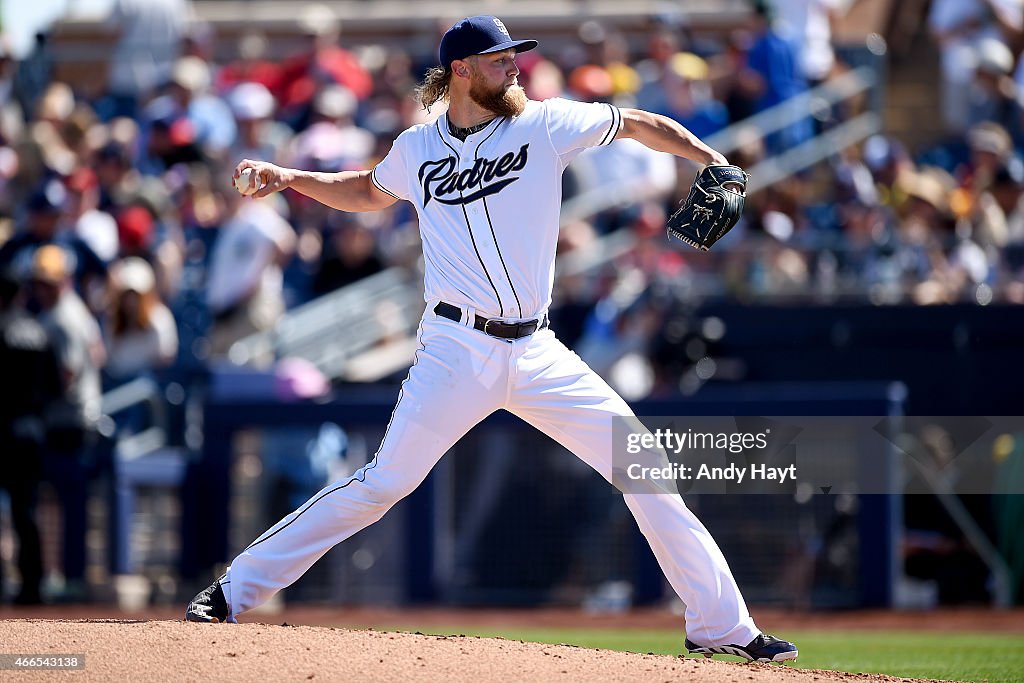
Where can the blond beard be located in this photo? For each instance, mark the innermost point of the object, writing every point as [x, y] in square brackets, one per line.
[509, 102]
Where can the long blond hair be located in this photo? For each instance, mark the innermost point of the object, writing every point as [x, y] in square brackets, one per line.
[434, 87]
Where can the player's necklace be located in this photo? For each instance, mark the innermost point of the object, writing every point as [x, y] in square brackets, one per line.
[463, 133]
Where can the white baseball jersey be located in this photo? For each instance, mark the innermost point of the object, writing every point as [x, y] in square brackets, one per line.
[488, 207]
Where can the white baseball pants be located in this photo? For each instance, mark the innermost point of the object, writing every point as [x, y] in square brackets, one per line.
[459, 377]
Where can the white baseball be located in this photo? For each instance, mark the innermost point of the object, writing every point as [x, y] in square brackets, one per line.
[242, 182]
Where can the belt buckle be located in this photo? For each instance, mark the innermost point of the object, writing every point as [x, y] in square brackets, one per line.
[487, 331]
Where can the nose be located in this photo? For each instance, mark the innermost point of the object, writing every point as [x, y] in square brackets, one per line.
[513, 69]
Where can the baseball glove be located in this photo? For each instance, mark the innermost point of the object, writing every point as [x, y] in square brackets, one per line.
[712, 208]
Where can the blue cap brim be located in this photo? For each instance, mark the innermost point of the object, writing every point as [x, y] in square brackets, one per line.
[519, 45]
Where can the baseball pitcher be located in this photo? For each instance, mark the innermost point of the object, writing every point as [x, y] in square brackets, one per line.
[484, 179]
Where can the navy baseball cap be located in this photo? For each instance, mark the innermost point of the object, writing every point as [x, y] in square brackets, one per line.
[478, 35]
[48, 197]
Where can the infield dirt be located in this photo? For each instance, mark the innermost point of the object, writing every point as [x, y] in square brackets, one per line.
[178, 651]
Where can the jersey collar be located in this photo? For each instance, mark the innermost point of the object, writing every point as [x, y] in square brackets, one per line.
[475, 139]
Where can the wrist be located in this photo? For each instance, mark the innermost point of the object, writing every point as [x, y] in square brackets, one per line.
[291, 176]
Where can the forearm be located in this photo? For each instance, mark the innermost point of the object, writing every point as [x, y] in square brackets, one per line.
[665, 135]
[345, 190]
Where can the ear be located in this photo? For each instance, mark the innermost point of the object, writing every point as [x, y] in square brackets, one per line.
[460, 68]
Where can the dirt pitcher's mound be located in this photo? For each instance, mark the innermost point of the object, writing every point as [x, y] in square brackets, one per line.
[179, 651]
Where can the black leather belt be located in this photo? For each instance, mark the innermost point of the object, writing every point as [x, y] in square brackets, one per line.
[493, 326]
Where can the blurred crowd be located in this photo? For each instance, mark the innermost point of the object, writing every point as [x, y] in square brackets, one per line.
[125, 250]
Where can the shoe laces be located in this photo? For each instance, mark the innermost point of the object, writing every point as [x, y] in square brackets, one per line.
[762, 640]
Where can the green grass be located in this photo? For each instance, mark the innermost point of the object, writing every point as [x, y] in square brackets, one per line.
[945, 656]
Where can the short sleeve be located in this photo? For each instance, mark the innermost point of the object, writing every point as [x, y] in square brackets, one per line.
[390, 176]
[574, 126]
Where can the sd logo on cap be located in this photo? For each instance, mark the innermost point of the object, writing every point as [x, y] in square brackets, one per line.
[478, 35]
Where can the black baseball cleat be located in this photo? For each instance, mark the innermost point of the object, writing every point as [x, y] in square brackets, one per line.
[764, 648]
[208, 606]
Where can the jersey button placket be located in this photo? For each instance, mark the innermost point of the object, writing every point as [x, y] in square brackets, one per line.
[466, 163]
[475, 216]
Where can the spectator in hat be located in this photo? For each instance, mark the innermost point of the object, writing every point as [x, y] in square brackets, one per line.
[609, 50]
[591, 83]
[97, 228]
[320, 63]
[46, 136]
[990, 145]
[736, 86]
[46, 208]
[545, 81]
[333, 142]
[252, 65]
[774, 65]
[142, 334]
[116, 176]
[993, 93]
[245, 286]
[886, 158]
[135, 230]
[170, 138]
[388, 109]
[211, 116]
[72, 420]
[55, 107]
[200, 40]
[662, 44]
[213, 126]
[998, 216]
[688, 96]
[259, 136]
[958, 26]
[925, 216]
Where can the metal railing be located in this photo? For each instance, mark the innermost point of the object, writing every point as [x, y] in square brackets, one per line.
[137, 391]
[805, 155]
[795, 109]
[333, 329]
[141, 391]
